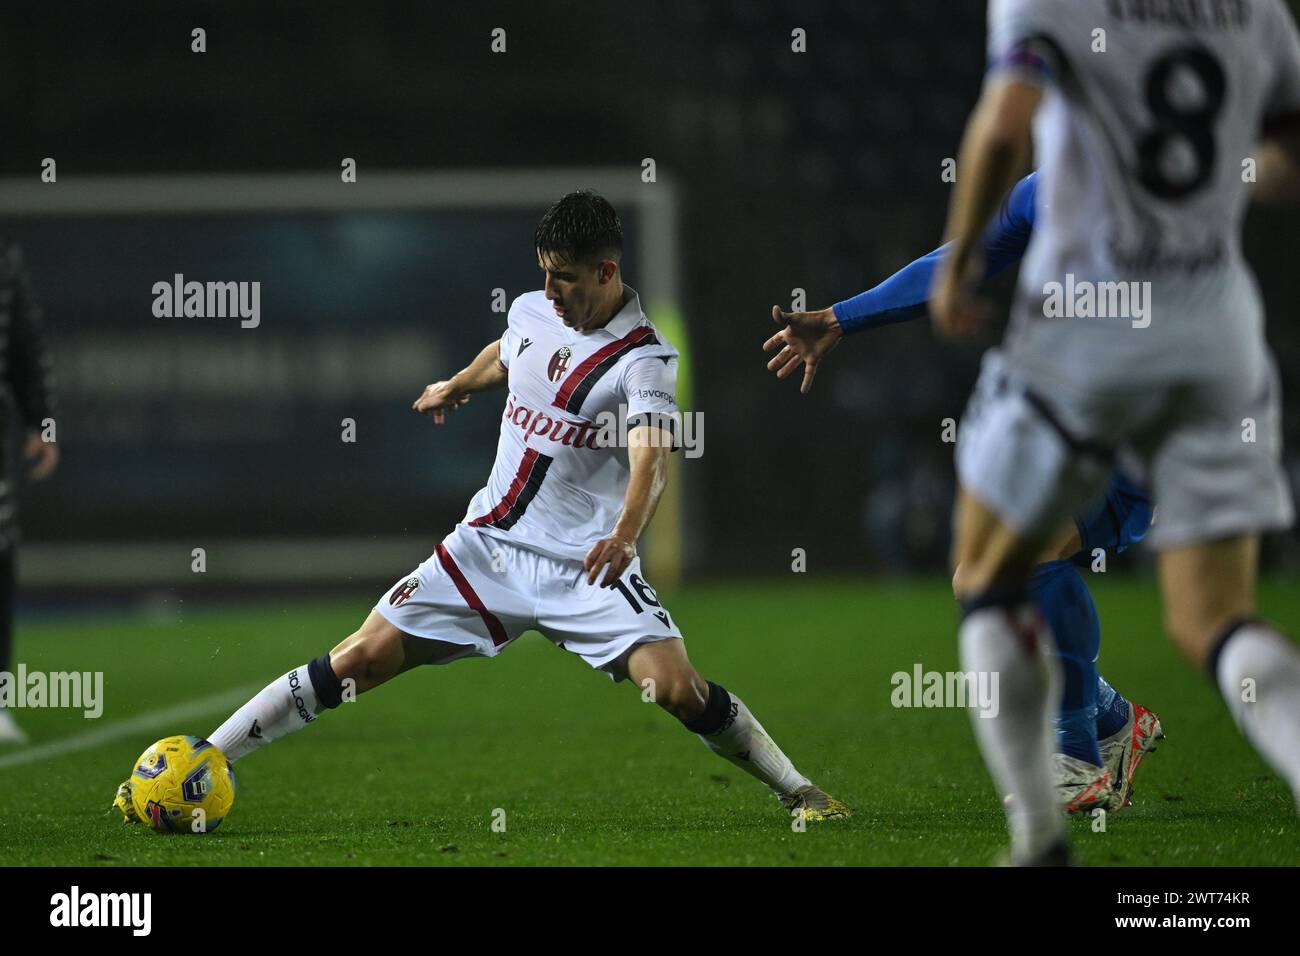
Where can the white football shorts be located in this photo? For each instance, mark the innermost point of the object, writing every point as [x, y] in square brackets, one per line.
[483, 592]
[1212, 460]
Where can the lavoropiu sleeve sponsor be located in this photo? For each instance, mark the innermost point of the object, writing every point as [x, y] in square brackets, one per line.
[650, 387]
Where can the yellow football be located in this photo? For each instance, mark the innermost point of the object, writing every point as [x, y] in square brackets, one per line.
[182, 784]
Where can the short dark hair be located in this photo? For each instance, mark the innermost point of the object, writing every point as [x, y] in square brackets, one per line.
[580, 227]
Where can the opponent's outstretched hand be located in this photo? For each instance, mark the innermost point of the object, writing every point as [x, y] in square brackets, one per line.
[438, 398]
[806, 339]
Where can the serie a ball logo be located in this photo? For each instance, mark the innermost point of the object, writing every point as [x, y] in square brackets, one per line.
[183, 785]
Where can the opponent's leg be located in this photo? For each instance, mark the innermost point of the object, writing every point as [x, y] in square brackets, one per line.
[368, 657]
[1092, 715]
[1119, 734]
[725, 724]
[1064, 601]
[1096, 728]
[1083, 781]
[1003, 633]
[1113, 709]
[1209, 594]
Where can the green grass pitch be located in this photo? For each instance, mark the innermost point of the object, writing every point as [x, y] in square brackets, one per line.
[589, 774]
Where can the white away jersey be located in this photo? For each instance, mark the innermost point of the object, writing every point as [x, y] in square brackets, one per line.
[558, 482]
[1152, 113]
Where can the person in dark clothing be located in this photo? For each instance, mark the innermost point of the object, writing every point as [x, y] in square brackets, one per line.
[28, 408]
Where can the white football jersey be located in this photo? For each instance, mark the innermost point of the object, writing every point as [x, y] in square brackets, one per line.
[558, 482]
[1145, 143]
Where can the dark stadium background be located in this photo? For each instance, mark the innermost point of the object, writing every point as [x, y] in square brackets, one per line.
[818, 170]
[775, 171]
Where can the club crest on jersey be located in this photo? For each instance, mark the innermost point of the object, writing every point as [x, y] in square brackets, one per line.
[403, 591]
[559, 363]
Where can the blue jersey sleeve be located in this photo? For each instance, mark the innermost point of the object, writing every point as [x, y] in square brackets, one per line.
[1120, 517]
[903, 295]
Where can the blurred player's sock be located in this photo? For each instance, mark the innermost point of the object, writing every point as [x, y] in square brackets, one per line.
[731, 731]
[281, 707]
[1062, 597]
[1007, 637]
[1258, 672]
[1112, 709]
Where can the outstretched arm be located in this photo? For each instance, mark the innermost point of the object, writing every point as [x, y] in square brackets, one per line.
[485, 372]
[647, 457]
[808, 336]
[902, 297]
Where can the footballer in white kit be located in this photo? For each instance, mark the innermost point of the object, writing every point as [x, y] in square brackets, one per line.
[1136, 336]
[515, 562]
[549, 543]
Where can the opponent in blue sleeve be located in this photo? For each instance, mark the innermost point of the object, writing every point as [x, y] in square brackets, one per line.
[1101, 737]
[1094, 721]
[902, 296]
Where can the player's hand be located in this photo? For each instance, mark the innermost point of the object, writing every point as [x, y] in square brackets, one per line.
[43, 456]
[438, 398]
[806, 339]
[955, 309]
[616, 552]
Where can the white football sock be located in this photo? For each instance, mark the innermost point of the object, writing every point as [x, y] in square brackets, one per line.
[1259, 676]
[286, 704]
[744, 742]
[1018, 742]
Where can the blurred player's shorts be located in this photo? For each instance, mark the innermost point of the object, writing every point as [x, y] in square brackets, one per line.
[483, 592]
[1213, 463]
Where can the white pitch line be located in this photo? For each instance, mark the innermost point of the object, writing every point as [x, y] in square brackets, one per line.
[167, 716]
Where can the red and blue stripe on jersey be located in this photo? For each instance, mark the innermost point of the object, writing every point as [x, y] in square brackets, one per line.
[528, 479]
[523, 488]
